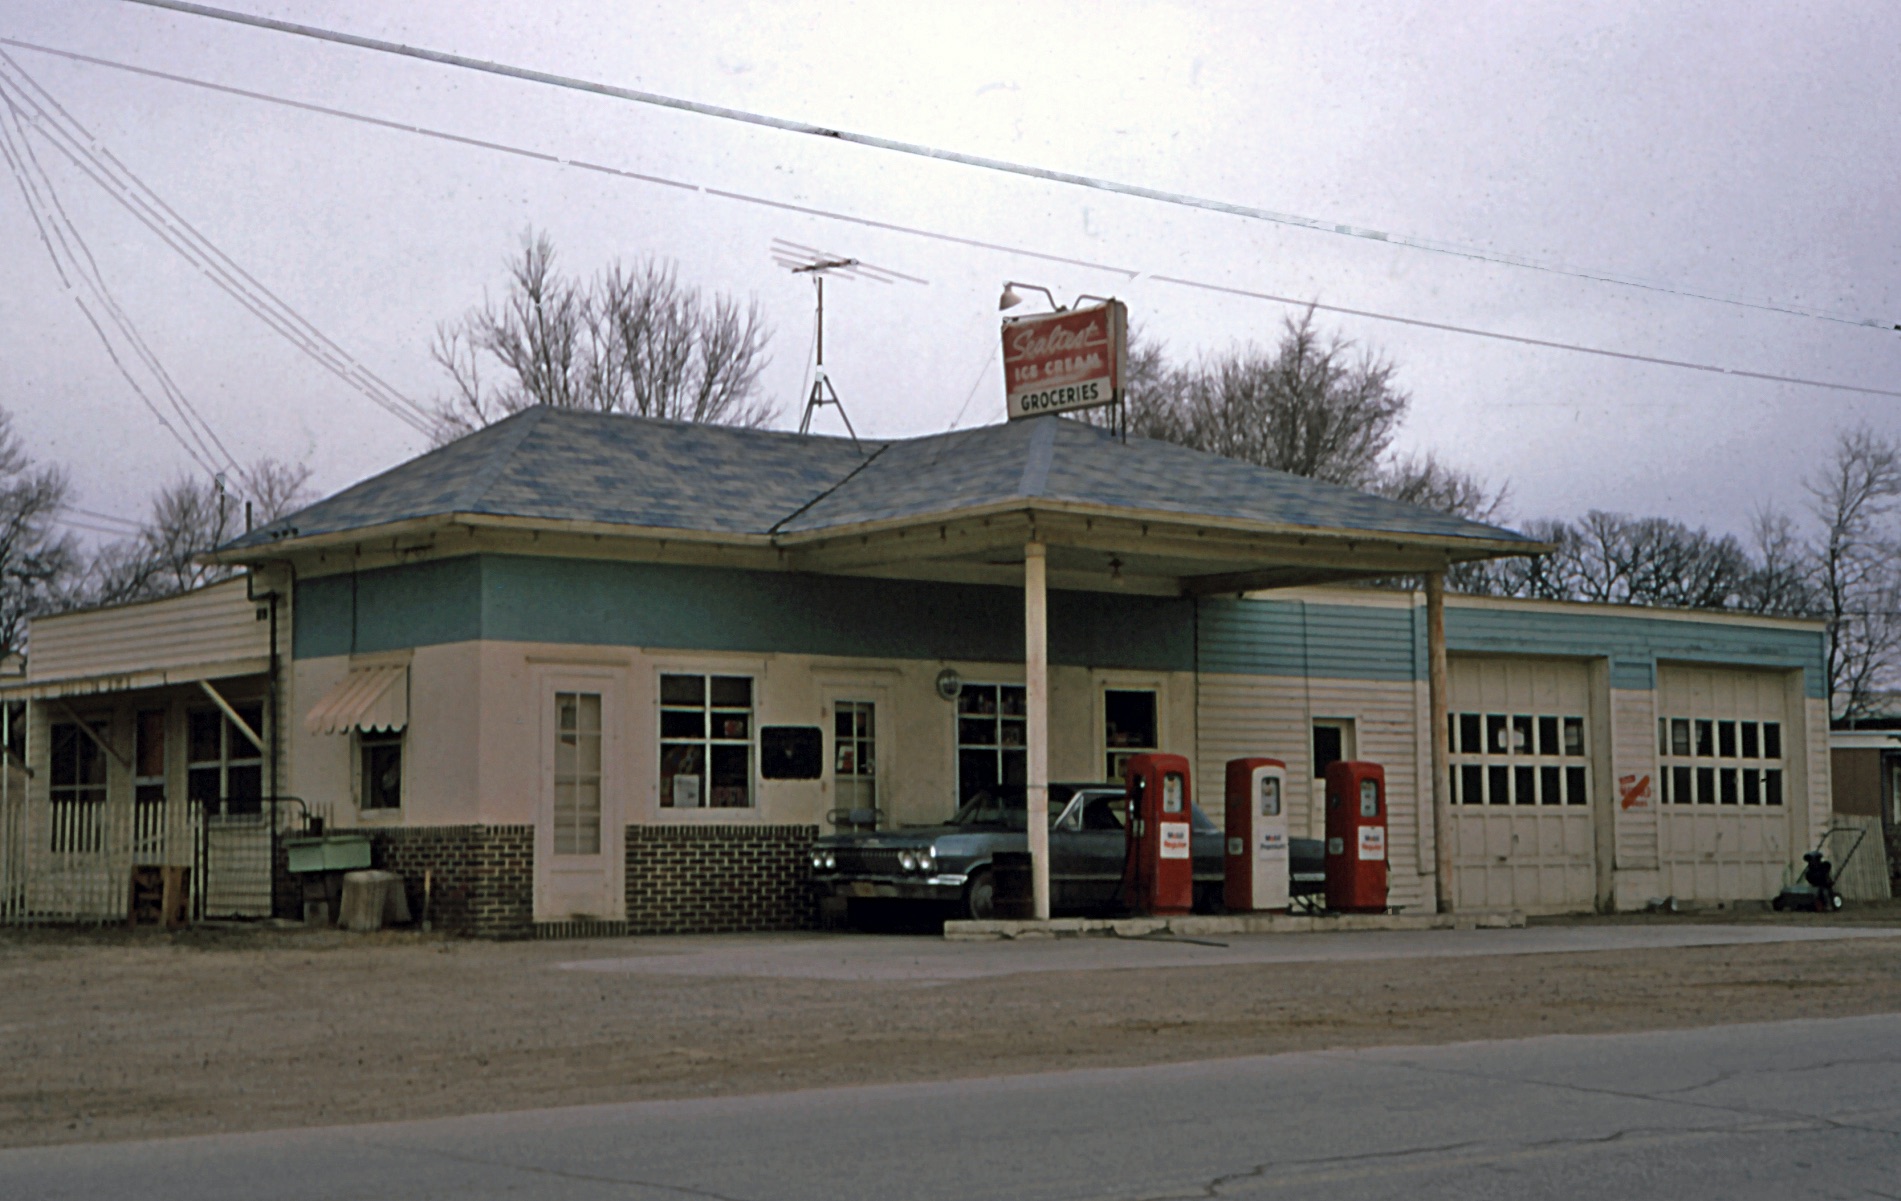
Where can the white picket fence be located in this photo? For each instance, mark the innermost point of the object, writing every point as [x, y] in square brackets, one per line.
[72, 861]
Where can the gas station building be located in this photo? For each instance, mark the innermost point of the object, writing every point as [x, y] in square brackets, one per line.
[595, 673]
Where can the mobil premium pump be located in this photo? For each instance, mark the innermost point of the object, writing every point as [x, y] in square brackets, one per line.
[1158, 872]
[1356, 837]
[1256, 858]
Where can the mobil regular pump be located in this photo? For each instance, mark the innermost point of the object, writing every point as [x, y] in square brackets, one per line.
[1158, 872]
[1257, 847]
[1356, 837]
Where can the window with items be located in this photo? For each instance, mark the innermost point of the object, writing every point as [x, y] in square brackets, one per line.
[381, 761]
[1519, 759]
[1128, 728]
[992, 741]
[706, 735]
[855, 754]
[1720, 761]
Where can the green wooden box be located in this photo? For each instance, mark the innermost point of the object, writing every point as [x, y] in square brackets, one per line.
[328, 853]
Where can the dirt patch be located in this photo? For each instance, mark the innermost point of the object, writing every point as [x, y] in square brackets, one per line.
[114, 1036]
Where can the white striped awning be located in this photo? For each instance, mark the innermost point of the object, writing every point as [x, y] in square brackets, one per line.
[368, 698]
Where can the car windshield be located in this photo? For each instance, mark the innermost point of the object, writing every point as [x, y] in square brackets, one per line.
[1002, 808]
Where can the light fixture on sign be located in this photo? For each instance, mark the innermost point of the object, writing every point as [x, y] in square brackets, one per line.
[1011, 299]
[949, 683]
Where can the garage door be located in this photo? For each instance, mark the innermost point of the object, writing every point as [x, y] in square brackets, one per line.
[1521, 785]
[1723, 744]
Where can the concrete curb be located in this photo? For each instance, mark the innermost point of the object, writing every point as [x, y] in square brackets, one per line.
[1201, 926]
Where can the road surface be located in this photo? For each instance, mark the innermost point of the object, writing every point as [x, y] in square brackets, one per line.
[1777, 1110]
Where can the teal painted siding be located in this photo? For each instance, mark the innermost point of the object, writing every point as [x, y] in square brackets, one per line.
[1634, 644]
[1292, 638]
[591, 602]
[388, 609]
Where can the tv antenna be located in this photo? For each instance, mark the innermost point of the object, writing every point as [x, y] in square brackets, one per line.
[817, 263]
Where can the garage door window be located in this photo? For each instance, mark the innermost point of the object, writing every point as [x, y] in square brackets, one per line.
[1720, 761]
[1518, 759]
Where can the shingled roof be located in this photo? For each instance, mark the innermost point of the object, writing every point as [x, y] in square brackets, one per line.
[563, 466]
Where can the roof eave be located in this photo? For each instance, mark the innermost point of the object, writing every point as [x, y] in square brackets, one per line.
[1479, 547]
[415, 526]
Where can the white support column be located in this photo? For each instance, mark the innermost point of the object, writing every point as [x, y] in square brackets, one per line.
[1036, 678]
[1439, 705]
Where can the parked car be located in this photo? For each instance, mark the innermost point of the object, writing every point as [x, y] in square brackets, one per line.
[949, 865]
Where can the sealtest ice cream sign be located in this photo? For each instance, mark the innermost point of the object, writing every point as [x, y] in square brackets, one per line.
[1068, 360]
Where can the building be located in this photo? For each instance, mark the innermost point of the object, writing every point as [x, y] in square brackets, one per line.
[1865, 775]
[594, 673]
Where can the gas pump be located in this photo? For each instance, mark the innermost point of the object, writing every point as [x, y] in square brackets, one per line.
[1356, 837]
[1257, 835]
[1158, 873]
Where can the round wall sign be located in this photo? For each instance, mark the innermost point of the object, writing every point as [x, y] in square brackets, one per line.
[949, 684]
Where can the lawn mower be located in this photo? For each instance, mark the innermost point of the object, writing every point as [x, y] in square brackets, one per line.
[1812, 887]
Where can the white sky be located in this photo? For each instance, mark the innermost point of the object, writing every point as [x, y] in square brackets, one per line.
[1747, 151]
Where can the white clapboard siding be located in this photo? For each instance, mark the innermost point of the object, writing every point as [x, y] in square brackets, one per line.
[1634, 758]
[1817, 779]
[1243, 715]
[215, 624]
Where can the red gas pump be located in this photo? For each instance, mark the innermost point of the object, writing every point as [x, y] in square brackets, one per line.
[1356, 837]
[1158, 873]
[1257, 836]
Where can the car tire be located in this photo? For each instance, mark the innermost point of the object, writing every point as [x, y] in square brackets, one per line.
[1779, 904]
[980, 897]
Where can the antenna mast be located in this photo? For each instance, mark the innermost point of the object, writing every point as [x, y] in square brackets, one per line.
[807, 260]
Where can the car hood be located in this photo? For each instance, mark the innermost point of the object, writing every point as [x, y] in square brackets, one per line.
[910, 837]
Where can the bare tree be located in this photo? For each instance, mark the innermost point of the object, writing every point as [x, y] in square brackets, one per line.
[630, 340]
[1783, 579]
[1853, 499]
[36, 560]
[1426, 481]
[1311, 407]
[188, 518]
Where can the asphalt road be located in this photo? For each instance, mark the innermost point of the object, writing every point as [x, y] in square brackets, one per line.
[1791, 1109]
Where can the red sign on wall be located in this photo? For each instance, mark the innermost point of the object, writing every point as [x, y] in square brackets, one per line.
[1069, 360]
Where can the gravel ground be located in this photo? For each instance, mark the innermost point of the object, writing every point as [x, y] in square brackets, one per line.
[115, 1035]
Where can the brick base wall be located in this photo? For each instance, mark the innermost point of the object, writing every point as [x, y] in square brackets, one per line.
[483, 877]
[719, 879]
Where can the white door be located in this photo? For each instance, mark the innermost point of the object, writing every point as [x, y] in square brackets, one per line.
[1522, 785]
[1723, 746]
[577, 829]
[857, 762]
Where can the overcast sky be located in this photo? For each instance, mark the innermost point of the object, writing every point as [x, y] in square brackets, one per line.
[1742, 151]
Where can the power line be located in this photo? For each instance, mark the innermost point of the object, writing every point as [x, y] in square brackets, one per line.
[95, 515]
[935, 235]
[443, 58]
[59, 240]
[72, 139]
[1525, 341]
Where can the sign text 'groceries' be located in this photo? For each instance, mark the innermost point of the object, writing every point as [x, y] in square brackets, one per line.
[1068, 360]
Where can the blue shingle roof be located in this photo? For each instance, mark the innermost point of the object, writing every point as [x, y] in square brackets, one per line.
[563, 465]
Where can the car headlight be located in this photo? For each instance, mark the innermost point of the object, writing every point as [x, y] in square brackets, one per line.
[926, 862]
[831, 861]
[818, 861]
[907, 861]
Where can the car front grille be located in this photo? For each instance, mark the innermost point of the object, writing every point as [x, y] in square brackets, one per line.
[868, 861]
